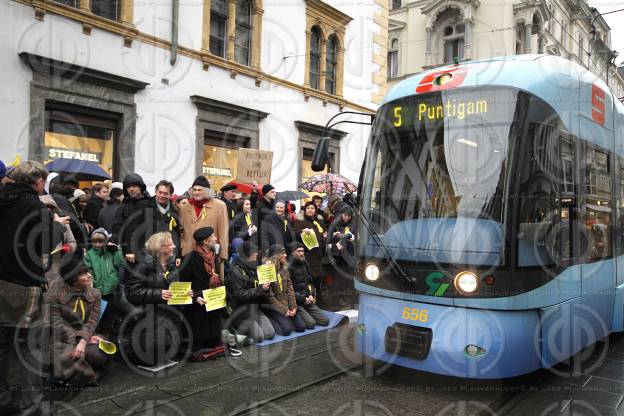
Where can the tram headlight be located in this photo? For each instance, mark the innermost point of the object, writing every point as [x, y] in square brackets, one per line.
[466, 282]
[371, 272]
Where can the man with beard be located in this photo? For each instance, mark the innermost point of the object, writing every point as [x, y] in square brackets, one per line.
[129, 216]
[305, 293]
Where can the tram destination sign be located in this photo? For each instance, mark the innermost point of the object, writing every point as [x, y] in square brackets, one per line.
[407, 113]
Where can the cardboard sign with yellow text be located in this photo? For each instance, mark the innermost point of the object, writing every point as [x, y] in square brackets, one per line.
[215, 298]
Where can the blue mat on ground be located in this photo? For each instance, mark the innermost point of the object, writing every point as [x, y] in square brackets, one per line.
[334, 320]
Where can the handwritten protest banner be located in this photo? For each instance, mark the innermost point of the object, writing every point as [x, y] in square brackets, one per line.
[254, 165]
[215, 298]
[180, 293]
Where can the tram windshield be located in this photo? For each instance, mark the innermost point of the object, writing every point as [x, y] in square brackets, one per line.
[434, 179]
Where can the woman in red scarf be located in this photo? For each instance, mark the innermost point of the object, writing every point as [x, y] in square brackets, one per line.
[200, 268]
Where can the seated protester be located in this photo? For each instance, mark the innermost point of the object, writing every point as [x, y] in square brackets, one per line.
[236, 243]
[246, 296]
[276, 228]
[282, 307]
[148, 286]
[104, 260]
[199, 268]
[74, 312]
[305, 293]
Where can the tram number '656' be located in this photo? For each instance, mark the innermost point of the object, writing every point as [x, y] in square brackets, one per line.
[414, 314]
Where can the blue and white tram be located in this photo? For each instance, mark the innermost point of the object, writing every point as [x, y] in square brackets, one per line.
[494, 191]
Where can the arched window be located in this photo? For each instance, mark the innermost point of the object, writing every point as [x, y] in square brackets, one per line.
[451, 33]
[393, 59]
[218, 27]
[520, 39]
[536, 25]
[243, 32]
[315, 58]
[330, 65]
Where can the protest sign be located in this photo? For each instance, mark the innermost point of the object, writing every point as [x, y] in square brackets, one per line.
[180, 293]
[215, 298]
[254, 165]
[266, 273]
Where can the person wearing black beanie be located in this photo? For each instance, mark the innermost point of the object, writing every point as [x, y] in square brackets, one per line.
[246, 296]
[265, 206]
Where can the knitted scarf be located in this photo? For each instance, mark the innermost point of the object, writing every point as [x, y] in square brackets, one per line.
[209, 264]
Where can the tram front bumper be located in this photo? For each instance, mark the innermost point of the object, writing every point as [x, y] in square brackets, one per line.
[449, 340]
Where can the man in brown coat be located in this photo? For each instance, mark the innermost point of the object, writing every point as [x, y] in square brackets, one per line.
[204, 210]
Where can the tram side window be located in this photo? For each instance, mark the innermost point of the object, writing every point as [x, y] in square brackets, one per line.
[620, 211]
[598, 207]
[546, 173]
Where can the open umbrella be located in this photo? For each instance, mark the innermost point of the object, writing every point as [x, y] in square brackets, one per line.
[83, 170]
[329, 183]
[291, 195]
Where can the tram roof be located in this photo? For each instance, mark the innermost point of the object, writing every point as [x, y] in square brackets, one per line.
[566, 86]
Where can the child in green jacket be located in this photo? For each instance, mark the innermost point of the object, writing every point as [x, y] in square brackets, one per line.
[103, 261]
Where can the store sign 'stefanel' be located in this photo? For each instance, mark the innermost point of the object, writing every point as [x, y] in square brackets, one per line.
[57, 153]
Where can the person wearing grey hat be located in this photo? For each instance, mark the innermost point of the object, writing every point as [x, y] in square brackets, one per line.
[246, 296]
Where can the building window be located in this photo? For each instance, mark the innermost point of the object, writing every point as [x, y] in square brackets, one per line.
[72, 3]
[221, 159]
[110, 9]
[396, 4]
[74, 132]
[451, 33]
[581, 50]
[243, 32]
[315, 58]
[520, 39]
[218, 27]
[330, 65]
[393, 59]
[564, 35]
[324, 59]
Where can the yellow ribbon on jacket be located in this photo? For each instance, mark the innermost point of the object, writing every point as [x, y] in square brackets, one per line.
[279, 281]
[172, 223]
[203, 213]
[80, 303]
[346, 230]
[318, 227]
[285, 225]
[166, 274]
[248, 219]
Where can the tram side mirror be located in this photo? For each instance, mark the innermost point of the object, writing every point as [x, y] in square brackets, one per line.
[321, 153]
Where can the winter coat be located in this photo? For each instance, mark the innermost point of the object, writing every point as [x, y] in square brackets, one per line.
[242, 287]
[214, 214]
[301, 280]
[91, 212]
[104, 265]
[155, 222]
[239, 227]
[128, 222]
[342, 228]
[231, 208]
[146, 282]
[204, 325]
[281, 293]
[29, 233]
[316, 255]
[61, 197]
[106, 218]
[275, 230]
[73, 316]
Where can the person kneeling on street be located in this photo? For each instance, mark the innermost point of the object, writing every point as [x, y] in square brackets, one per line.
[282, 307]
[148, 286]
[304, 288]
[74, 312]
[246, 296]
[199, 267]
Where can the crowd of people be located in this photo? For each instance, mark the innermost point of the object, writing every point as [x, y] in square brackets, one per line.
[94, 262]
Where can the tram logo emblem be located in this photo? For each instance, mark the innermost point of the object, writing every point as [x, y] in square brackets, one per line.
[436, 285]
[442, 80]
